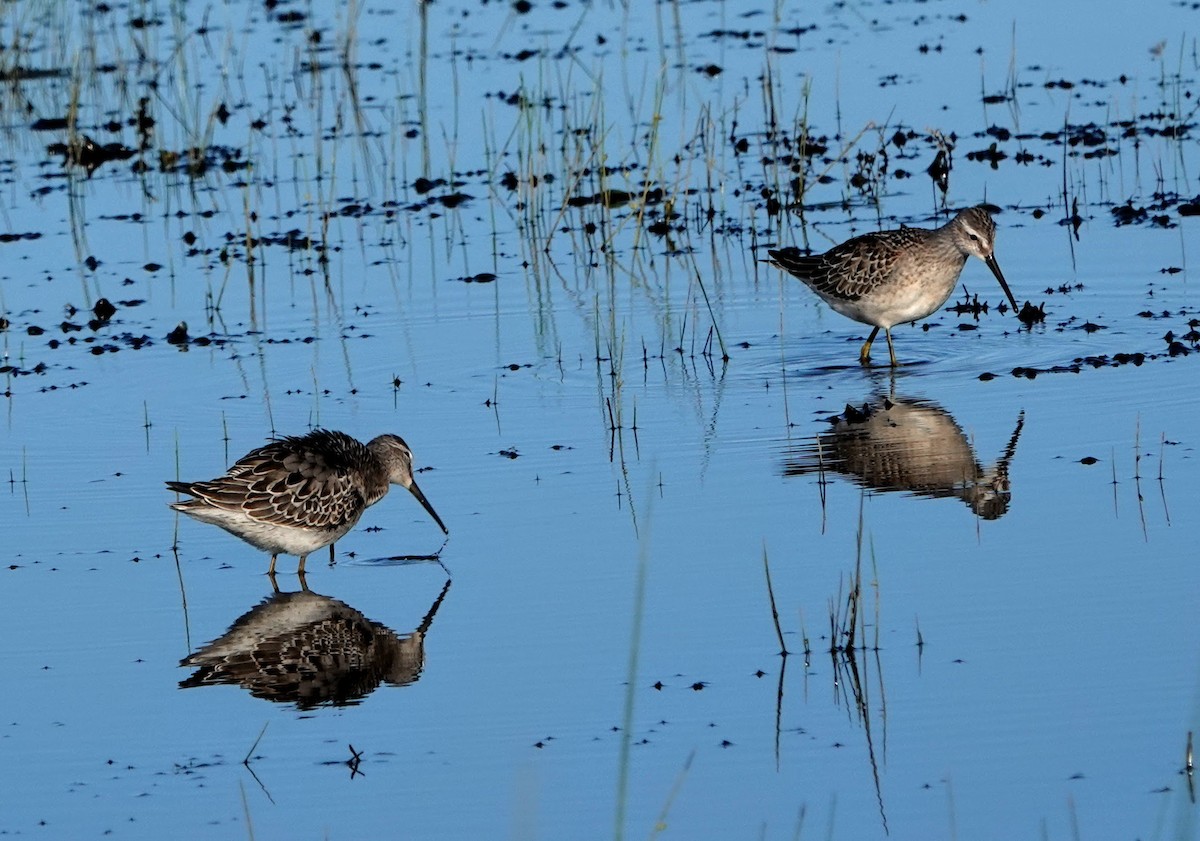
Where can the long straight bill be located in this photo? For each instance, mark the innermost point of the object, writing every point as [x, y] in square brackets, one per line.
[995, 267]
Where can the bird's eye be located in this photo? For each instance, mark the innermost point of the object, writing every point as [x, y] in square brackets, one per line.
[973, 237]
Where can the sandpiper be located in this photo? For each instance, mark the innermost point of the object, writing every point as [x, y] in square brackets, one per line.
[300, 493]
[307, 649]
[909, 445]
[893, 277]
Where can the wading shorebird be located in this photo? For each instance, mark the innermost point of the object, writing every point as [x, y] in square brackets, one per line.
[910, 446]
[310, 650]
[300, 493]
[894, 277]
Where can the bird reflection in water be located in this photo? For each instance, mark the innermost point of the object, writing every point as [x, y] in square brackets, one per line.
[306, 649]
[912, 446]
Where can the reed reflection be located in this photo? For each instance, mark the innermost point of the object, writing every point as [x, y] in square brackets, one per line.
[908, 445]
[307, 649]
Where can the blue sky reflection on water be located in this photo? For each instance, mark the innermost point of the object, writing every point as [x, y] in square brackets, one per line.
[1057, 680]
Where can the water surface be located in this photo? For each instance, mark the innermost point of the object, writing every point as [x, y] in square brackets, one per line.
[403, 223]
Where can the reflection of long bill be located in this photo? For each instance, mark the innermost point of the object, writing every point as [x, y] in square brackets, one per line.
[995, 267]
[415, 491]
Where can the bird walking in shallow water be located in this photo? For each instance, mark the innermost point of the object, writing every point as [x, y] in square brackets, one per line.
[300, 493]
[894, 277]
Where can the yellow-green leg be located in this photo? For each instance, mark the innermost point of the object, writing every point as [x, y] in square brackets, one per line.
[271, 569]
[864, 355]
[303, 558]
[891, 350]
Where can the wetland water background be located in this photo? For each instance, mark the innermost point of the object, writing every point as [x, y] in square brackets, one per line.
[382, 220]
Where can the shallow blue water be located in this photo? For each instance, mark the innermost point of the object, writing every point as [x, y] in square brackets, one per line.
[1057, 677]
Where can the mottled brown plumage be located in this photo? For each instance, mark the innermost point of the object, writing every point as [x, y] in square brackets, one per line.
[297, 494]
[855, 267]
[307, 649]
[893, 277]
[912, 446]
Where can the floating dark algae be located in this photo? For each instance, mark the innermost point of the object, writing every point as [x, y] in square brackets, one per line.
[17, 371]
[1031, 373]
[852, 414]
[353, 210]
[972, 305]
[104, 310]
[662, 227]
[1129, 214]
[1063, 289]
[1192, 335]
[1079, 364]
[991, 155]
[426, 185]
[196, 161]
[1177, 346]
[452, 200]
[132, 341]
[522, 55]
[617, 198]
[295, 240]
[89, 154]
[447, 200]
[1030, 315]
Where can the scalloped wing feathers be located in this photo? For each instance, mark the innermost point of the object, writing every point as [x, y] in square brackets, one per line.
[303, 481]
[853, 268]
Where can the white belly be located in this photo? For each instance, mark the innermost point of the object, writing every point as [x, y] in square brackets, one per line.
[284, 540]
